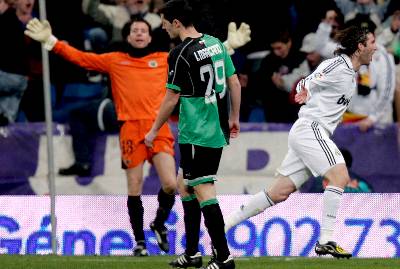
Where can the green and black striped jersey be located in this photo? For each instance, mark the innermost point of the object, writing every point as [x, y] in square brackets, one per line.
[198, 69]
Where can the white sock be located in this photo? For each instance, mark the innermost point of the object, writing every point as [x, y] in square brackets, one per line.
[257, 204]
[331, 203]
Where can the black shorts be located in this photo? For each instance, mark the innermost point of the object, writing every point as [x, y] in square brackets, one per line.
[199, 164]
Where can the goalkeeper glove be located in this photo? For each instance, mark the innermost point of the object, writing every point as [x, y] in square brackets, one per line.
[237, 37]
[41, 31]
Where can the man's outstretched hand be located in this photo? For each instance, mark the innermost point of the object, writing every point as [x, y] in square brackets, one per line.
[237, 37]
[41, 32]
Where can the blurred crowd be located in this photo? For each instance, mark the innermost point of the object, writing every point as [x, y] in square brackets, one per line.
[289, 39]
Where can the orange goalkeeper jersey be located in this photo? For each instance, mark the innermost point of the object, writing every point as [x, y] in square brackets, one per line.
[138, 84]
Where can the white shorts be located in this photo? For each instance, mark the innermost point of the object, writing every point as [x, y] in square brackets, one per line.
[311, 151]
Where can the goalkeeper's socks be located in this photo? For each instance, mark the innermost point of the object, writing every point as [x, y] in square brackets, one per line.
[192, 218]
[331, 202]
[257, 204]
[214, 222]
[135, 210]
[165, 203]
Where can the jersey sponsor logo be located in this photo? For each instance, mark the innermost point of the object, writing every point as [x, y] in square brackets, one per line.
[343, 100]
[207, 52]
[153, 63]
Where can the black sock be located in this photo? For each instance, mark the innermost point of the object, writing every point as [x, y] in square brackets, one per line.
[135, 209]
[165, 203]
[214, 222]
[192, 218]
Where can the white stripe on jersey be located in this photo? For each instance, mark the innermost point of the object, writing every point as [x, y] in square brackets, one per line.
[331, 87]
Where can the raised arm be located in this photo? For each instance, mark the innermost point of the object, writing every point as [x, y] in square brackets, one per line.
[99, 15]
[41, 32]
[237, 37]
[325, 45]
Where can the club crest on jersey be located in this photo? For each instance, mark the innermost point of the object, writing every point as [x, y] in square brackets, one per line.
[318, 75]
[153, 63]
[337, 152]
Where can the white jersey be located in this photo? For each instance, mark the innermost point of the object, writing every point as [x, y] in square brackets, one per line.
[330, 89]
[380, 77]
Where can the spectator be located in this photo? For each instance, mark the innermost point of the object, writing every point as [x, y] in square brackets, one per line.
[281, 61]
[390, 36]
[305, 19]
[391, 8]
[155, 5]
[32, 102]
[72, 32]
[352, 9]
[313, 59]
[4, 5]
[118, 15]
[23, 10]
[85, 122]
[13, 66]
[21, 57]
[330, 24]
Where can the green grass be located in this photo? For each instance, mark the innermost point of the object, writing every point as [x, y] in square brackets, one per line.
[123, 262]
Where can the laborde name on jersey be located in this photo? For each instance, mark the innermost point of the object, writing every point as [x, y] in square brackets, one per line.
[207, 52]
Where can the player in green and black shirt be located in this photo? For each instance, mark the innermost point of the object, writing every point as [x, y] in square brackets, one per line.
[198, 69]
[200, 73]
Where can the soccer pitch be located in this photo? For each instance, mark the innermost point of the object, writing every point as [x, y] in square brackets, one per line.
[155, 262]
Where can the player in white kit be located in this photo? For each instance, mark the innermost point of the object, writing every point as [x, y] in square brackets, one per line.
[326, 94]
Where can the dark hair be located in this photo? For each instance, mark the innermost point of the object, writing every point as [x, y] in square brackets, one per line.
[349, 38]
[127, 27]
[179, 10]
[282, 35]
[339, 19]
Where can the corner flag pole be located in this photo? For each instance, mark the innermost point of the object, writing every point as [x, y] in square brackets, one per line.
[49, 134]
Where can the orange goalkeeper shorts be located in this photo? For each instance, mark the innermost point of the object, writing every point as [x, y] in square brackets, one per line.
[133, 149]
